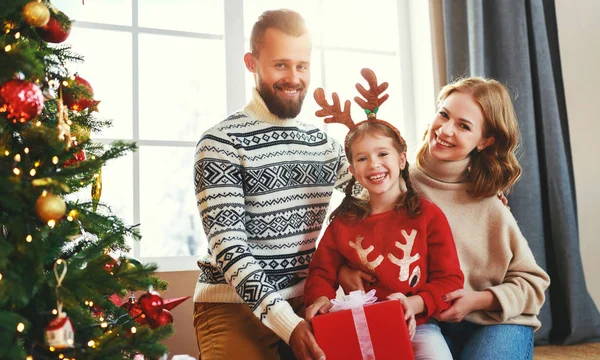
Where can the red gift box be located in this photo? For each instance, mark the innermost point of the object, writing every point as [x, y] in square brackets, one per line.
[338, 333]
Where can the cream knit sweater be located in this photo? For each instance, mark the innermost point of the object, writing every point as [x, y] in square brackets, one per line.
[493, 253]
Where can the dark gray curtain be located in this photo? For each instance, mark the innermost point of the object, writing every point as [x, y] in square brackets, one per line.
[516, 42]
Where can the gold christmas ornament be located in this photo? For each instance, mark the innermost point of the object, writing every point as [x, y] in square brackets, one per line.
[96, 189]
[50, 207]
[36, 14]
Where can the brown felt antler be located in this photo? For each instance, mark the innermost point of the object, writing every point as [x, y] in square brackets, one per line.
[334, 111]
[371, 101]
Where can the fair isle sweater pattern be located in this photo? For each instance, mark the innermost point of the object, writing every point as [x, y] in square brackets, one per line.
[263, 187]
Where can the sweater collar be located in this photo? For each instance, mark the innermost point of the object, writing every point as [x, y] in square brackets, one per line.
[445, 171]
[257, 109]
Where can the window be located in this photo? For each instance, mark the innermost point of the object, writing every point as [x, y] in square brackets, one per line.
[167, 70]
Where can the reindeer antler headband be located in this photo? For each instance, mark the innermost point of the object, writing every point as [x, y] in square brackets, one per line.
[370, 105]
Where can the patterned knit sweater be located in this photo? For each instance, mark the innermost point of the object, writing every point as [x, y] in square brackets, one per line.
[263, 187]
[412, 256]
[493, 253]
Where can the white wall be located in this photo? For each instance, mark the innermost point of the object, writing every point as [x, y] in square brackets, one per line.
[578, 30]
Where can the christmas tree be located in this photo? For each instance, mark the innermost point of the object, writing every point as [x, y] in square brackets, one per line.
[63, 277]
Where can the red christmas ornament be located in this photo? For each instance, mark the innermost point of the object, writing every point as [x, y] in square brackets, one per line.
[135, 310]
[110, 263]
[55, 31]
[77, 157]
[169, 304]
[151, 304]
[164, 317]
[78, 101]
[60, 333]
[21, 100]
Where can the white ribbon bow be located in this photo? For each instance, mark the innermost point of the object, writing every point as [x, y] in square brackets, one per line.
[353, 300]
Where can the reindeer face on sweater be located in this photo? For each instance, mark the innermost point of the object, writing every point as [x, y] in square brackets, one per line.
[402, 258]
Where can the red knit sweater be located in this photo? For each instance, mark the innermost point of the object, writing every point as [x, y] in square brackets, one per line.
[412, 256]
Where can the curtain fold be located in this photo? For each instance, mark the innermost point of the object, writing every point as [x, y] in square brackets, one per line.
[516, 42]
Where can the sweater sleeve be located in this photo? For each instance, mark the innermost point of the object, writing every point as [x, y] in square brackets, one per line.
[343, 171]
[218, 178]
[322, 271]
[523, 287]
[444, 273]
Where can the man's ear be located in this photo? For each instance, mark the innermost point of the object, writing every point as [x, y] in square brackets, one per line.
[250, 62]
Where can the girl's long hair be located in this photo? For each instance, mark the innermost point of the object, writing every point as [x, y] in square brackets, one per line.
[357, 208]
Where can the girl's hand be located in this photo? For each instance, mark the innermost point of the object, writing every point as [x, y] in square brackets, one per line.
[409, 314]
[321, 306]
[351, 279]
[465, 302]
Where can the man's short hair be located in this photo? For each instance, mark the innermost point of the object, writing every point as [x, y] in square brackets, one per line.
[287, 21]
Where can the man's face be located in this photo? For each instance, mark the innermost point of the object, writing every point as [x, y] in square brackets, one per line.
[282, 72]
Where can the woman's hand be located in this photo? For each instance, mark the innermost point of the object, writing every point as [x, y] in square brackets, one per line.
[465, 302]
[351, 280]
[409, 314]
[321, 306]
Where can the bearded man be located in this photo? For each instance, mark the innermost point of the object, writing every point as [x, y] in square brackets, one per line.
[263, 184]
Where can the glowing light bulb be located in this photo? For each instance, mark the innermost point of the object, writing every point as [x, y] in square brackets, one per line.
[32, 172]
[55, 160]
[8, 48]
[133, 330]
[16, 171]
[20, 327]
[28, 238]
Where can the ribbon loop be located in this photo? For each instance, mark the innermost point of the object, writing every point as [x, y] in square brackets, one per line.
[356, 299]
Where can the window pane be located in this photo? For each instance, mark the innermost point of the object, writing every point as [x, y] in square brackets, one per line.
[117, 189]
[204, 16]
[116, 12]
[342, 71]
[359, 25]
[182, 86]
[170, 222]
[107, 67]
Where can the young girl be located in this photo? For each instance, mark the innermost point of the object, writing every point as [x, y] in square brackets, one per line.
[468, 156]
[403, 240]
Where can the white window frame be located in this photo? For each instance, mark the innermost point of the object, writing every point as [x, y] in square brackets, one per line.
[416, 63]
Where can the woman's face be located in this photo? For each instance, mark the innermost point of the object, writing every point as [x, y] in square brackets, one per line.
[457, 128]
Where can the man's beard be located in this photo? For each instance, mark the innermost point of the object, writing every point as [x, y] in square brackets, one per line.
[282, 108]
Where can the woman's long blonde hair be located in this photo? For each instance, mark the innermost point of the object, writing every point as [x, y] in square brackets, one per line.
[495, 168]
